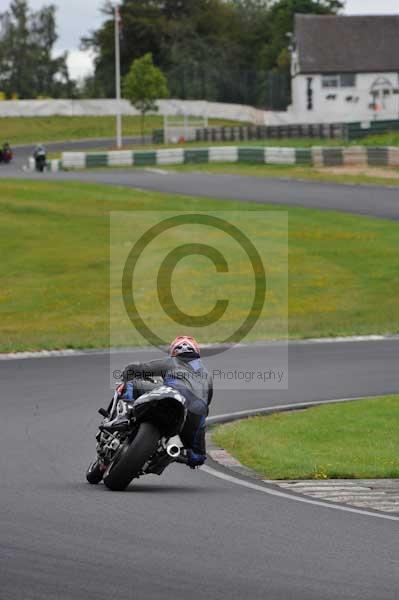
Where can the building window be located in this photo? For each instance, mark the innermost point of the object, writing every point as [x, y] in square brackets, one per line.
[330, 81]
[337, 80]
[347, 80]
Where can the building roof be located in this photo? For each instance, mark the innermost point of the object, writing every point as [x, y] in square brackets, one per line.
[347, 44]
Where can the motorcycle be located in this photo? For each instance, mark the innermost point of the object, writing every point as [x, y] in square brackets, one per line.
[139, 444]
[6, 155]
[40, 161]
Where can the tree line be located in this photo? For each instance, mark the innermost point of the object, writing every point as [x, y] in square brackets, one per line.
[225, 50]
[28, 68]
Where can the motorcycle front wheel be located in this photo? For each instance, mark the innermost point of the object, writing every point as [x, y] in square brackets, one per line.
[132, 458]
[95, 472]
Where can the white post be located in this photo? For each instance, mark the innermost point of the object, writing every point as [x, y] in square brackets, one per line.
[186, 127]
[118, 79]
[165, 129]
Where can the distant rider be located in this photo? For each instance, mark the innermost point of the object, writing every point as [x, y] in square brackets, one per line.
[184, 371]
[40, 150]
[40, 156]
[6, 153]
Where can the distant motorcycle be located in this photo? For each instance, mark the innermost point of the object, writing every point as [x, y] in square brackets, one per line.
[40, 162]
[140, 443]
[6, 154]
[40, 158]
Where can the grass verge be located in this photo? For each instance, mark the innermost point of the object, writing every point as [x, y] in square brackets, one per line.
[366, 175]
[383, 176]
[355, 440]
[54, 288]
[27, 130]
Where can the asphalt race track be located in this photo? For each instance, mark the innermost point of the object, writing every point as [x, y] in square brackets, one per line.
[186, 534]
[364, 200]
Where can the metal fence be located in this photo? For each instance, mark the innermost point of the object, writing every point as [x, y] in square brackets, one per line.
[338, 131]
[262, 132]
[357, 131]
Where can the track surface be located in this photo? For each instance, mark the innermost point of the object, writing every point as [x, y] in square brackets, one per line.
[365, 200]
[185, 534]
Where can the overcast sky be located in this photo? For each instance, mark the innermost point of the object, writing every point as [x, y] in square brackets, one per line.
[77, 17]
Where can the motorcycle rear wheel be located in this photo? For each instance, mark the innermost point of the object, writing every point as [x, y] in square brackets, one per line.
[132, 458]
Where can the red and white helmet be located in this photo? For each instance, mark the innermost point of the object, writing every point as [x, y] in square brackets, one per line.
[184, 344]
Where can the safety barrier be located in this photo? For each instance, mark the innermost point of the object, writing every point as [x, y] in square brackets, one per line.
[106, 107]
[241, 133]
[272, 155]
[382, 156]
[51, 165]
[176, 156]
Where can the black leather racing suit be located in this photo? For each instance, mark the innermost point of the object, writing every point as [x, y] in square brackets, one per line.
[189, 376]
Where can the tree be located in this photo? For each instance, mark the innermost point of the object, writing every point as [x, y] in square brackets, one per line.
[27, 66]
[142, 32]
[143, 85]
[209, 49]
[90, 87]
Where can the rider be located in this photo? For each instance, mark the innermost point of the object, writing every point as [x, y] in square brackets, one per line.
[5, 152]
[184, 371]
[39, 150]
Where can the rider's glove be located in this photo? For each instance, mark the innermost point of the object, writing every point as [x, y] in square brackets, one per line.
[195, 460]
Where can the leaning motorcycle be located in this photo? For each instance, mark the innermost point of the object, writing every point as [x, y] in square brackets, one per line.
[6, 155]
[140, 444]
[40, 162]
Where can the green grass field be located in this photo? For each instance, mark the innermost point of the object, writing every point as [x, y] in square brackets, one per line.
[386, 139]
[54, 289]
[388, 177]
[355, 440]
[27, 130]
[391, 138]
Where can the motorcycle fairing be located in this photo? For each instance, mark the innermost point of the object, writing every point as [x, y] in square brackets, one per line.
[162, 400]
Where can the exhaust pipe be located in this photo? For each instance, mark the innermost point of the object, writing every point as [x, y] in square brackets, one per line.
[173, 450]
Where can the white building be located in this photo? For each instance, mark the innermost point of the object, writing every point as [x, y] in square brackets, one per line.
[344, 68]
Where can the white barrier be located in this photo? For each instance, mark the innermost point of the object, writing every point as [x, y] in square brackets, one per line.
[104, 107]
[393, 156]
[74, 160]
[280, 156]
[170, 157]
[223, 154]
[123, 158]
[355, 156]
